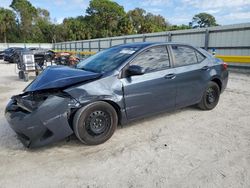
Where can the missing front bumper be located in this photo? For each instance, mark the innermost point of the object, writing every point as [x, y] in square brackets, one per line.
[46, 124]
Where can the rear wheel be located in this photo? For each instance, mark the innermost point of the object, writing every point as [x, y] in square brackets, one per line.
[95, 123]
[21, 75]
[26, 77]
[210, 97]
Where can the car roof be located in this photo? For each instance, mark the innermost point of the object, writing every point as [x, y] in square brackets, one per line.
[147, 44]
[17, 49]
[13, 48]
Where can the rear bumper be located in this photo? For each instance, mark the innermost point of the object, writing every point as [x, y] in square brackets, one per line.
[47, 124]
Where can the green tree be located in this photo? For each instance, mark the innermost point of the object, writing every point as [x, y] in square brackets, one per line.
[203, 20]
[157, 21]
[42, 29]
[26, 13]
[125, 26]
[59, 33]
[104, 17]
[144, 22]
[137, 17]
[76, 28]
[179, 27]
[7, 23]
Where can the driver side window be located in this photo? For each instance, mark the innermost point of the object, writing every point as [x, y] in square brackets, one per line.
[153, 59]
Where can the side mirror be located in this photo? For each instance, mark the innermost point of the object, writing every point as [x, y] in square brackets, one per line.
[135, 70]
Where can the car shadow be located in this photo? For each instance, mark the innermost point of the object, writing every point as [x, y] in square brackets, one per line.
[159, 115]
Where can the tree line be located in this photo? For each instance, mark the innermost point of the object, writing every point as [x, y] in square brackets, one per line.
[104, 18]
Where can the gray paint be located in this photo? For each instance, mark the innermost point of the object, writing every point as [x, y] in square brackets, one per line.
[133, 97]
[51, 116]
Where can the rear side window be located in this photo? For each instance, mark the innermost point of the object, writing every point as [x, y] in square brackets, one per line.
[185, 55]
[153, 59]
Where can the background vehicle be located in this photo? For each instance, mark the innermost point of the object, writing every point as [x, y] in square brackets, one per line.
[42, 55]
[26, 64]
[5, 53]
[1, 54]
[11, 53]
[117, 85]
[32, 60]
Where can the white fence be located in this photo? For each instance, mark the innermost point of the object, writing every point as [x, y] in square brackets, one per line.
[4, 46]
[226, 40]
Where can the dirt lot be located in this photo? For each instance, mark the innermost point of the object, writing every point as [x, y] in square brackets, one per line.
[185, 148]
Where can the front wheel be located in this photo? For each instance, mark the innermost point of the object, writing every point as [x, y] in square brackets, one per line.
[210, 97]
[95, 123]
[21, 75]
[26, 77]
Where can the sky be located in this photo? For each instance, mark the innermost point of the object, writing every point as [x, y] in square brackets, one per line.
[176, 12]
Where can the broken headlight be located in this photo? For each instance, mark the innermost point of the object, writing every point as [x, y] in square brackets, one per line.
[30, 101]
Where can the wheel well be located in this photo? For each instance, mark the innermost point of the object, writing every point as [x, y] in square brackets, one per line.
[113, 104]
[116, 107]
[217, 81]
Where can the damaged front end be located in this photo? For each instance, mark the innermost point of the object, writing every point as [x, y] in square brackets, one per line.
[41, 117]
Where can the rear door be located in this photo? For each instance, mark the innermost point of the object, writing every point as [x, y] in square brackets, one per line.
[191, 69]
[153, 91]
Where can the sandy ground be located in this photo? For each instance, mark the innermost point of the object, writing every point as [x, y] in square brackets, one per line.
[185, 148]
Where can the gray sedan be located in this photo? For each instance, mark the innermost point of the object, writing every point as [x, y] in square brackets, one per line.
[115, 86]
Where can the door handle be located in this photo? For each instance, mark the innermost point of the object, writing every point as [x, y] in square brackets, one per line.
[205, 68]
[170, 76]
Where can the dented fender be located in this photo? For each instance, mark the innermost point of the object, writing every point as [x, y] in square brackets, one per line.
[109, 89]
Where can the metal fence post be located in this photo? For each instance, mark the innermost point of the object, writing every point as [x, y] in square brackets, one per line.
[99, 45]
[169, 37]
[206, 39]
[124, 40]
[89, 46]
[110, 42]
[82, 45]
[144, 38]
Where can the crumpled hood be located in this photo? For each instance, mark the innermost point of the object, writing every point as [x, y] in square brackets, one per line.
[59, 77]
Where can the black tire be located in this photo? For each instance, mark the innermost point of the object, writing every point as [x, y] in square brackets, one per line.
[26, 77]
[210, 97]
[95, 123]
[21, 75]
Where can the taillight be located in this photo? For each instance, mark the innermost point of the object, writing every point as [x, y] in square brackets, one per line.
[224, 65]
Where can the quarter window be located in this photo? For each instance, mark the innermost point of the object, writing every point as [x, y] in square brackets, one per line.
[200, 57]
[185, 55]
[153, 59]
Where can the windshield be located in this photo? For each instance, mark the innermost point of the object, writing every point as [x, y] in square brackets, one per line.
[107, 60]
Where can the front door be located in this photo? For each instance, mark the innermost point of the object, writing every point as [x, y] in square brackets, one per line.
[153, 91]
